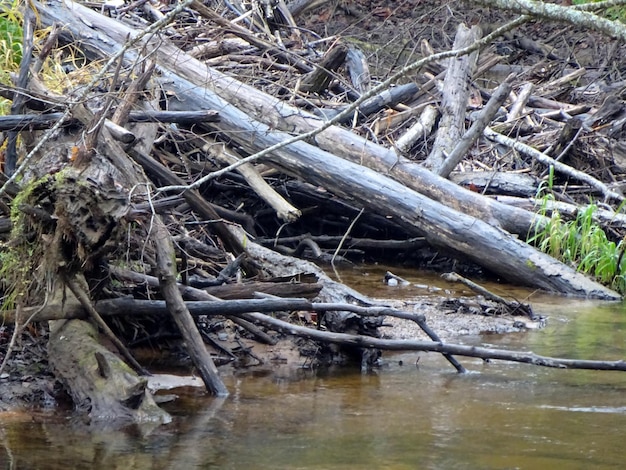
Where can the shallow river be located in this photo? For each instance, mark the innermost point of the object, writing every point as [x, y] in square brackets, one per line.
[404, 416]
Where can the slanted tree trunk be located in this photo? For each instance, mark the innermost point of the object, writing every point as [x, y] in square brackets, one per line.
[189, 80]
[183, 74]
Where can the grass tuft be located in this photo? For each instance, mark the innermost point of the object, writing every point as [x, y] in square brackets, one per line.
[581, 242]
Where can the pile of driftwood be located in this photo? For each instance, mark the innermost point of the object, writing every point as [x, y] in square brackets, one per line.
[157, 162]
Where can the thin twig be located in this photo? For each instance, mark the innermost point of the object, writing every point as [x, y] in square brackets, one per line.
[345, 235]
[549, 161]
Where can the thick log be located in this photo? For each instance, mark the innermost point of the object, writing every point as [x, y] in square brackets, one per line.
[98, 381]
[488, 246]
[101, 35]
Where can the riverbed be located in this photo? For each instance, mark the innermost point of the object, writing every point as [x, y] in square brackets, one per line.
[414, 412]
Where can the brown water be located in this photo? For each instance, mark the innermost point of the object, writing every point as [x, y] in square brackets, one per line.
[499, 416]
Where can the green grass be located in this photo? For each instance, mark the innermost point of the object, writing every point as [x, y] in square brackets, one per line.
[10, 44]
[581, 243]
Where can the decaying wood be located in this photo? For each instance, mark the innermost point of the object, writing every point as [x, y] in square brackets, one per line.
[500, 183]
[368, 177]
[561, 167]
[417, 214]
[175, 305]
[44, 121]
[320, 77]
[206, 86]
[201, 205]
[284, 210]
[604, 217]
[470, 137]
[79, 289]
[455, 96]
[382, 100]
[419, 130]
[511, 307]
[99, 382]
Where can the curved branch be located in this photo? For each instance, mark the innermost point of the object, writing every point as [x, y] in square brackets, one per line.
[567, 14]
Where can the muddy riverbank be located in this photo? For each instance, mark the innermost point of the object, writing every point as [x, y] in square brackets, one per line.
[29, 382]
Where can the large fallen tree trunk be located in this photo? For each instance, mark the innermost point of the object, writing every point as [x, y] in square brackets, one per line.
[187, 78]
[103, 36]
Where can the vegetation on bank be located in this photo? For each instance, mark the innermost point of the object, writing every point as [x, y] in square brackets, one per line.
[580, 242]
[10, 44]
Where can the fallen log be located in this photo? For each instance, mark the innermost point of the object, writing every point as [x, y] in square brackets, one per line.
[486, 245]
[130, 306]
[19, 122]
[99, 382]
[492, 248]
[100, 35]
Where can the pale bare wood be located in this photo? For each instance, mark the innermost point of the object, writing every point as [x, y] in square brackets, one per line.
[284, 210]
[454, 101]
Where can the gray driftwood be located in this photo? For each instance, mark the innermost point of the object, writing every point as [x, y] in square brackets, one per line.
[418, 214]
[106, 35]
[100, 383]
[249, 309]
[456, 92]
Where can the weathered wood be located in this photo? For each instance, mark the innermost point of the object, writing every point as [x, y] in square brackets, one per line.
[419, 130]
[183, 74]
[284, 210]
[79, 288]
[455, 95]
[387, 98]
[604, 217]
[469, 138]
[20, 122]
[490, 247]
[419, 215]
[195, 200]
[167, 279]
[500, 183]
[320, 77]
[607, 192]
[98, 381]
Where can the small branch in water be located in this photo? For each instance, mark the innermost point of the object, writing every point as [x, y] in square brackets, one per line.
[513, 307]
[245, 308]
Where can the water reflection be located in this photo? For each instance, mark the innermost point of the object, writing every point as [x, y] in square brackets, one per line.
[501, 415]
